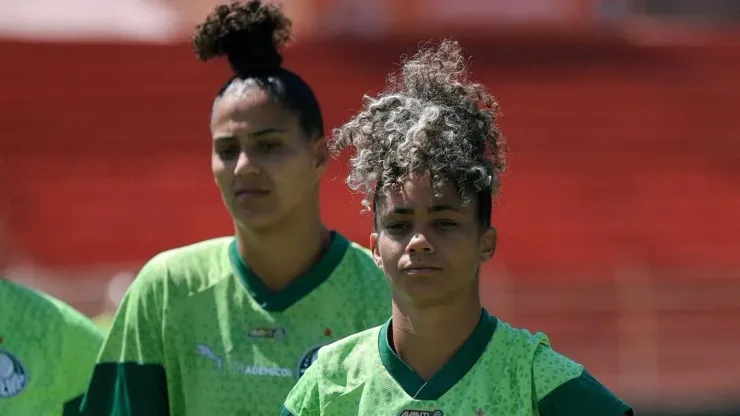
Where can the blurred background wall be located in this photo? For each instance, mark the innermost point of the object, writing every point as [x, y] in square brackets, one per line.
[619, 220]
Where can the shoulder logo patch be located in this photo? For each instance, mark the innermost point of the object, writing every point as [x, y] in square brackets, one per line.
[278, 334]
[307, 359]
[410, 412]
[13, 377]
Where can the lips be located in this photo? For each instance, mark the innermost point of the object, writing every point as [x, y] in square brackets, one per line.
[245, 194]
[420, 269]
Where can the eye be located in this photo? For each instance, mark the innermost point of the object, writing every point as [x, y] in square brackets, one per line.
[228, 153]
[268, 146]
[397, 227]
[446, 223]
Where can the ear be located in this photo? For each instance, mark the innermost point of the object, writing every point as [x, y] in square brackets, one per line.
[321, 154]
[488, 244]
[374, 249]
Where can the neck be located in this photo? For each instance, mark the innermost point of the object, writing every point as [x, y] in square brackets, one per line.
[427, 337]
[279, 254]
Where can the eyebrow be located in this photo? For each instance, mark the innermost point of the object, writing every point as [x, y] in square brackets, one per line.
[433, 208]
[254, 134]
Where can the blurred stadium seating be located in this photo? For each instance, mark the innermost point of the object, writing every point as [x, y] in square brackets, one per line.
[618, 220]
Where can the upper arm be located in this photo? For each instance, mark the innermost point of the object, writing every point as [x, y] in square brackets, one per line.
[583, 395]
[129, 376]
[136, 331]
[564, 388]
[80, 346]
[304, 399]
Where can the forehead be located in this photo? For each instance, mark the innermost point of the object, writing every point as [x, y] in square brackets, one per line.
[252, 108]
[416, 194]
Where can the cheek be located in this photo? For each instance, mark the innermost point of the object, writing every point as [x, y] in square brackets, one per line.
[218, 170]
[463, 252]
[292, 176]
[391, 252]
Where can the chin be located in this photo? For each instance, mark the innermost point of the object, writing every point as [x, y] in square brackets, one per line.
[428, 301]
[257, 221]
[428, 295]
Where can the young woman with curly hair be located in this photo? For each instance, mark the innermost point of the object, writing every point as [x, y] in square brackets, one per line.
[428, 156]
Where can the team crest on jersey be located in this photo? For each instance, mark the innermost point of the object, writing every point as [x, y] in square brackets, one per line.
[13, 377]
[307, 359]
[278, 334]
[410, 412]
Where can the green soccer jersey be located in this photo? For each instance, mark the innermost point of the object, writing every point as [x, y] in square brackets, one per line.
[499, 370]
[47, 352]
[199, 334]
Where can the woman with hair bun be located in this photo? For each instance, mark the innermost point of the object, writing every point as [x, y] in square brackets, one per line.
[227, 326]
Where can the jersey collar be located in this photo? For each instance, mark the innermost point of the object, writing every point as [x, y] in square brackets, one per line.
[446, 378]
[298, 288]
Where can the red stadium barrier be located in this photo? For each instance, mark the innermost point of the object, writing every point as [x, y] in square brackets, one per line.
[617, 152]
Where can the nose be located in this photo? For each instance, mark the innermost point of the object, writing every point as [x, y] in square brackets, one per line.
[420, 244]
[245, 165]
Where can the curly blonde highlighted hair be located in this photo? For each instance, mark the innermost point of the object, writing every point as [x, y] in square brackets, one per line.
[430, 119]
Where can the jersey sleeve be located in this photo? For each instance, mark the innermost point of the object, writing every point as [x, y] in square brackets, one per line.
[129, 376]
[81, 342]
[564, 388]
[304, 399]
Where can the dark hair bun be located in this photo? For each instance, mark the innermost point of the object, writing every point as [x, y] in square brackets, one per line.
[249, 34]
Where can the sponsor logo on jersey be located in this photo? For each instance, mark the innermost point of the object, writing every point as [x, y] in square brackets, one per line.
[260, 370]
[307, 359]
[410, 412]
[236, 367]
[13, 377]
[278, 334]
